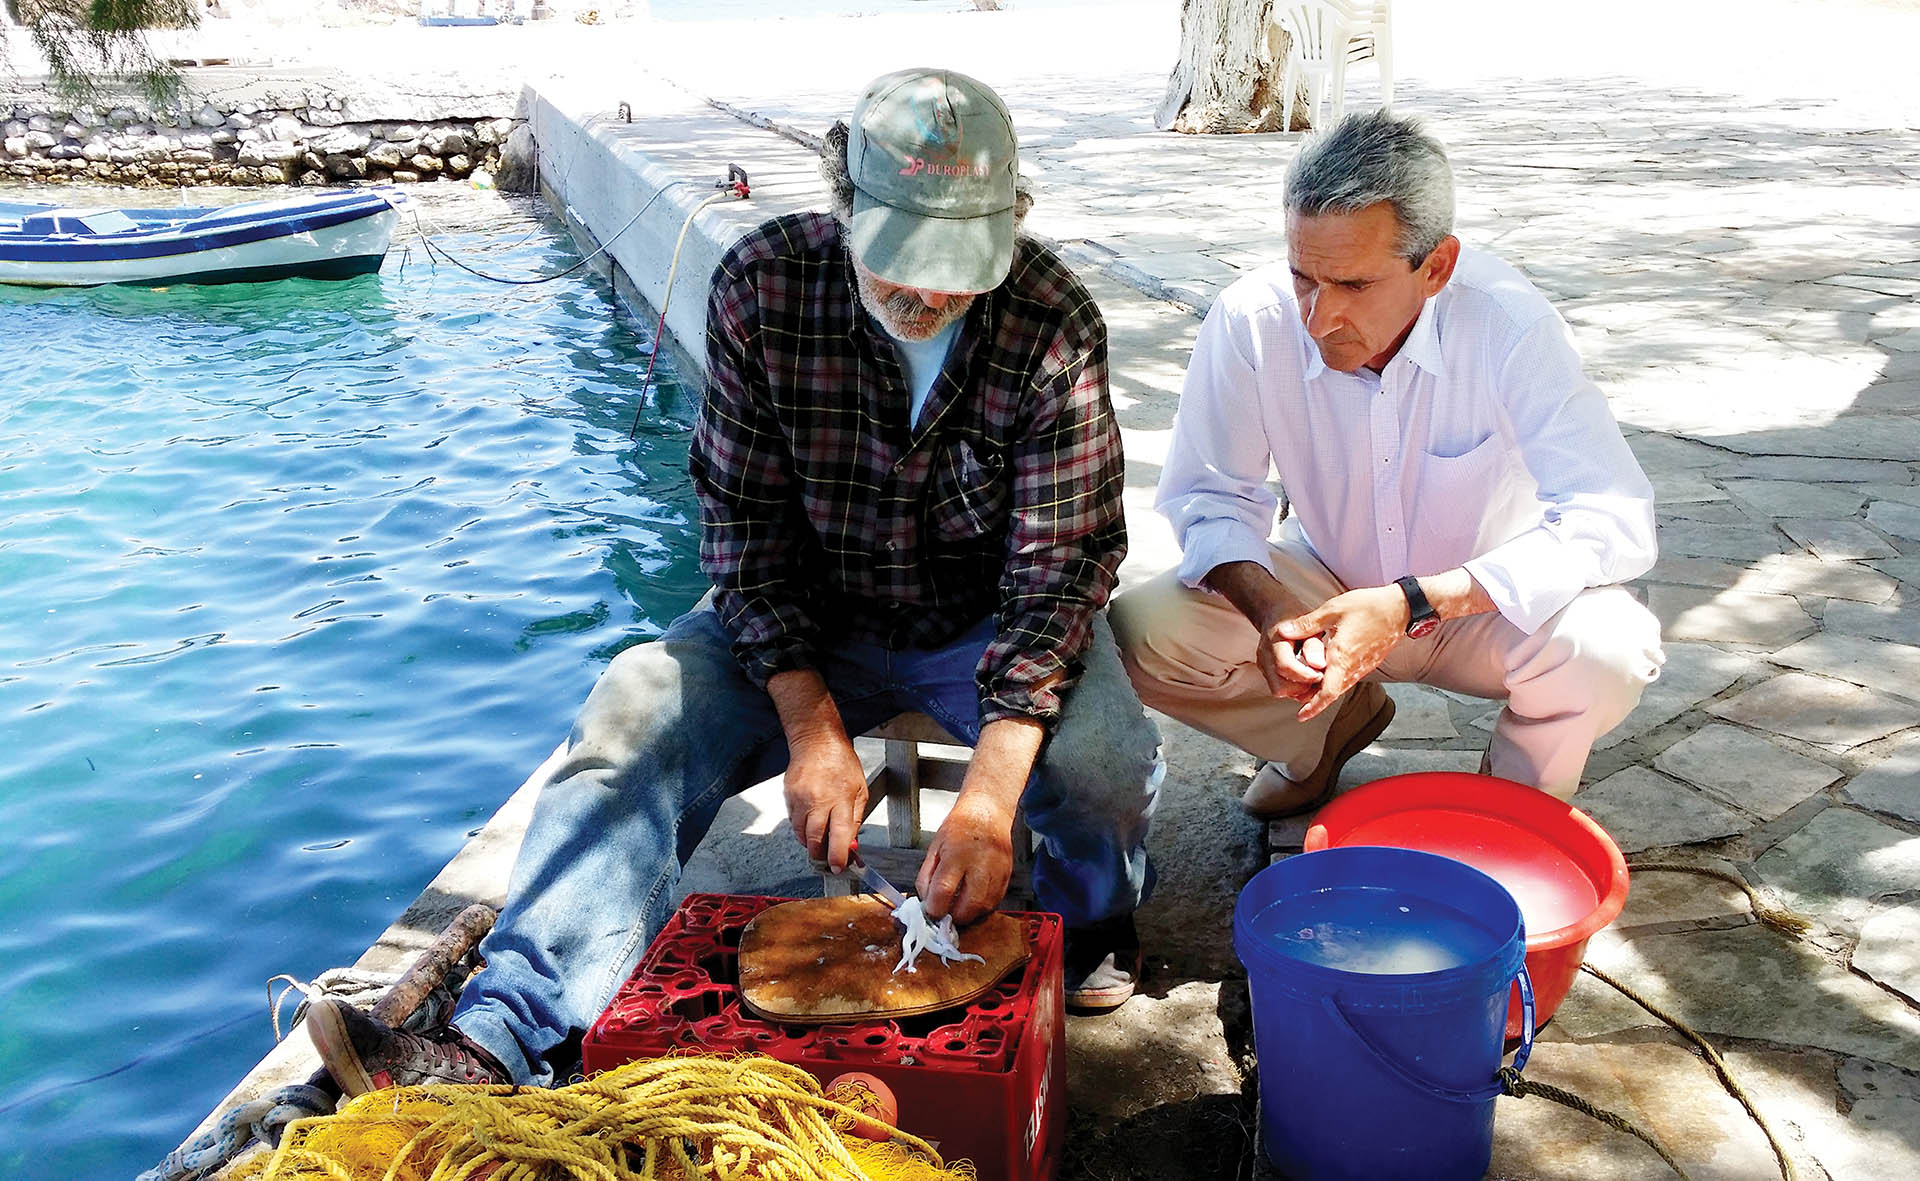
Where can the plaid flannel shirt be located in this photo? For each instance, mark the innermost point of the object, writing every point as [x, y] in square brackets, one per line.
[824, 517]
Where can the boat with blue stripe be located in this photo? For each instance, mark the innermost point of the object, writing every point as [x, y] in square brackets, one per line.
[333, 234]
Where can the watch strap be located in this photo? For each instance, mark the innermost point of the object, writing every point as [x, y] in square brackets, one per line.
[1419, 610]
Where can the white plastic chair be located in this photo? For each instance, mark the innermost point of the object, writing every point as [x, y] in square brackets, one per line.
[1327, 37]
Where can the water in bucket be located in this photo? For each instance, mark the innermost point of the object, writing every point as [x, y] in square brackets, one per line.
[1379, 983]
[1371, 930]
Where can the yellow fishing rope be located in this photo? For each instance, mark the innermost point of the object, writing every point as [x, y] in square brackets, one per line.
[664, 1119]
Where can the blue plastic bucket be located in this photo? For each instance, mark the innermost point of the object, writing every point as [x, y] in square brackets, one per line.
[1379, 980]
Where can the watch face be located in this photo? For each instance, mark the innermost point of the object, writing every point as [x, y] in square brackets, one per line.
[1423, 627]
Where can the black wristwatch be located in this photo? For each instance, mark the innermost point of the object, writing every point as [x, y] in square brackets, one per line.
[1421, 617]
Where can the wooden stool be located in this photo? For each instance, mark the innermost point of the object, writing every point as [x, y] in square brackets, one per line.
[898, 780]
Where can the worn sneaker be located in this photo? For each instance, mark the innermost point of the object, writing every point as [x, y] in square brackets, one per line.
[363, 1055]
[1103, 964]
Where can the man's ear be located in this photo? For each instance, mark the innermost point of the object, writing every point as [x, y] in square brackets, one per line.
[1438, 268]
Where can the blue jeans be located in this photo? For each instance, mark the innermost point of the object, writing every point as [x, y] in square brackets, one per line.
[674, 728]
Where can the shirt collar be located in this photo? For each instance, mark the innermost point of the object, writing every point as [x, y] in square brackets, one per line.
[1422, 345]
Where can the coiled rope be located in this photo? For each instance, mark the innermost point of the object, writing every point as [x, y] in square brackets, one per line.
[661, 1119]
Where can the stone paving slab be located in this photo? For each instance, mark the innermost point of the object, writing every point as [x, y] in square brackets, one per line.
[1816, 709]
[1837, 866]
[1891, 785]
[1787, 498]
[1889, 950]
[1907, 570]
[1890, 668]
[1753, 982]
[1729, 616]
[1643, 810]
[1695, 540]
[1837, 541]
[1740, 768]
[1899, 493]
[1896, 621]
[1800, 574]
[1895, 517]
[1657, 897]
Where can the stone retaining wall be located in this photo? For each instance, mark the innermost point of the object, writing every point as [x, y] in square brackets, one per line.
[313, 144]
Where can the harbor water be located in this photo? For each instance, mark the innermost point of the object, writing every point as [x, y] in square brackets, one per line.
[301, 580]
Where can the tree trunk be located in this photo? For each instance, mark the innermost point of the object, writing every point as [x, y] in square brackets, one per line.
[1227, 80]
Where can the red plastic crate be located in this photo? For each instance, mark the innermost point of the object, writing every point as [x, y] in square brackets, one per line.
[985, 1081]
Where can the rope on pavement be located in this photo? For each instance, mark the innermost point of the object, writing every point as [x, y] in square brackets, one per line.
[1781, 919]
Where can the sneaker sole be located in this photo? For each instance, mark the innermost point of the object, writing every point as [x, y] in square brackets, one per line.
[1094, 1004]
[337, 1054]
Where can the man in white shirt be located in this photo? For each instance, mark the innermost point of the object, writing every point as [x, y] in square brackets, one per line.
[1463, 504]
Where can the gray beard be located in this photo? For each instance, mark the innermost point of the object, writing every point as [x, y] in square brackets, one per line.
[903, 316]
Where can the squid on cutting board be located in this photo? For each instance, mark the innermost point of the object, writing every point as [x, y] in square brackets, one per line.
[921, 934]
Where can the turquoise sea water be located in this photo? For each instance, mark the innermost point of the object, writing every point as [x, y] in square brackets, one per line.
[297, 583]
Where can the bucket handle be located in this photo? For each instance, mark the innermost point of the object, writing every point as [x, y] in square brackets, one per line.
[1412, 1078]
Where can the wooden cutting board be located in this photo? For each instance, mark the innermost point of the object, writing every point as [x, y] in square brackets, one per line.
[823, 960]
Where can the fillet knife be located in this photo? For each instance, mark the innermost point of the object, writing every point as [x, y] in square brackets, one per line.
[873, 880]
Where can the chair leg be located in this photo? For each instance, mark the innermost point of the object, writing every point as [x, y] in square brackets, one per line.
[1338, 85]
[1289, 78]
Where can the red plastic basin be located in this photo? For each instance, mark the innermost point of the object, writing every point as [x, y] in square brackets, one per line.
[1563, 869]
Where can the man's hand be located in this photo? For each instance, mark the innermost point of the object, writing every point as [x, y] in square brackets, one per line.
[826, 797]
[1358, 629]
[970, 861]
[826, 789]
[967, 867]
[1292, 668]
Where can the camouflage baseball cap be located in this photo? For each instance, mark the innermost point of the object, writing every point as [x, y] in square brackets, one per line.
[933, 159]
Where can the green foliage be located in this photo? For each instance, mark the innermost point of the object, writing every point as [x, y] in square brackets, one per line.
[97, 48]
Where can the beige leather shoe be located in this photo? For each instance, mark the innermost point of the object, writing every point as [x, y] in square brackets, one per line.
[1361, 719]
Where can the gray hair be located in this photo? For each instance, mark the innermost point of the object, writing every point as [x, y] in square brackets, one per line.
[834, 170]
[1368, 158]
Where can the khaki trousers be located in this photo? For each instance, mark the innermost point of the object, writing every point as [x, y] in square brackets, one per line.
[1191, 656]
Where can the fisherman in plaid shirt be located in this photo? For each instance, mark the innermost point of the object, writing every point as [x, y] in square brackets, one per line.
[909, 477]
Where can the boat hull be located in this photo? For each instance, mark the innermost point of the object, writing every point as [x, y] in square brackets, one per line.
[336, 243]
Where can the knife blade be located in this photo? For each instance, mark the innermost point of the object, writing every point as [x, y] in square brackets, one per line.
[872, 879]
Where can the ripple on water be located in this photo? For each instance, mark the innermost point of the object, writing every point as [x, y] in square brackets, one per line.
[301, 580]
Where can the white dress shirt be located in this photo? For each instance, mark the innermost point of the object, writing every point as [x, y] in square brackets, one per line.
[1482, 444]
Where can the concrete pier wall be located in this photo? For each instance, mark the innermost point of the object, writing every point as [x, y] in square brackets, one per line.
[631, 187]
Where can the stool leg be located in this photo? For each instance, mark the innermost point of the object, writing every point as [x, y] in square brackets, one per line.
[902, 781]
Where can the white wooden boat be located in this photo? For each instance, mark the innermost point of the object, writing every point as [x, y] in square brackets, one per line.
[332, 234]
